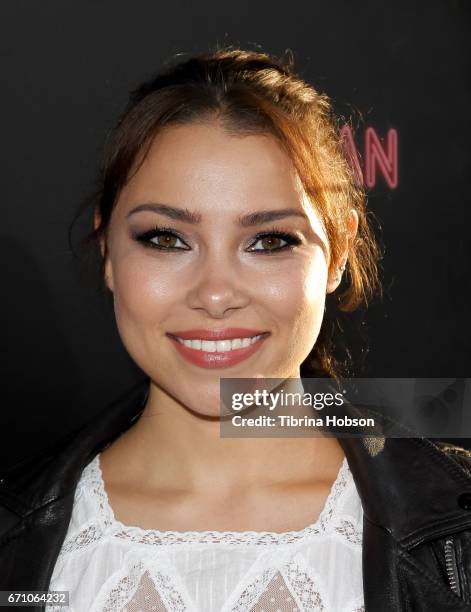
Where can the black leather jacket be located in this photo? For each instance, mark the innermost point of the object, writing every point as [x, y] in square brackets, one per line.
[416, 498]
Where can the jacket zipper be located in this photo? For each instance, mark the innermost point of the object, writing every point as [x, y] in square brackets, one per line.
[452, 566]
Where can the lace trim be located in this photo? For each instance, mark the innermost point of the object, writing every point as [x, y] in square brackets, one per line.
[254, 590]
[126, 586]
[348, 529]
[288, 587]
[92, 478]
[305, 584]
[85, 537]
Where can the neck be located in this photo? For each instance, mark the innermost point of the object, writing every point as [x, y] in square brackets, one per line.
[173, 446]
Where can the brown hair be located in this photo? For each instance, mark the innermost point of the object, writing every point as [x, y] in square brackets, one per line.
[252, 92]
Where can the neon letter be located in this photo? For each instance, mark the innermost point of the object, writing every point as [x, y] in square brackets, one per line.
[376, 155]
[348, 144]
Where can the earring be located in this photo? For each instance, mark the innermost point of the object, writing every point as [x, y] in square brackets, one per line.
[341, 270]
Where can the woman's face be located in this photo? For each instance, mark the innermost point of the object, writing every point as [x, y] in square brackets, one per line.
[207, 272]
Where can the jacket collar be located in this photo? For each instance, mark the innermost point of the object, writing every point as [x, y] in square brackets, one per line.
[406, 485]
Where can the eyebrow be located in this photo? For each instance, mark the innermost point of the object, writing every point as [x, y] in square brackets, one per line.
[248, 220]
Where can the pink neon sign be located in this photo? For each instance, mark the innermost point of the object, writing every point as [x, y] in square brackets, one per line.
[378, 157]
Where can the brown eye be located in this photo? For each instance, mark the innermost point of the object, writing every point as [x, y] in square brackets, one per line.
[165, 240]
[271, 242]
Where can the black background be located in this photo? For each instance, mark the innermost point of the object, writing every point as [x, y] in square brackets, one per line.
[66, 70]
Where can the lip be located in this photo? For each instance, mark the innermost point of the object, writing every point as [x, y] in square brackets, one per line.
[229, 333]
[211, 360]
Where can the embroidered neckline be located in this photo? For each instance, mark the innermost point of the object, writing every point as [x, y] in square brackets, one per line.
[93, 477]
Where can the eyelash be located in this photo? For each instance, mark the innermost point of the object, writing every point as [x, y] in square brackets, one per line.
[291, 239]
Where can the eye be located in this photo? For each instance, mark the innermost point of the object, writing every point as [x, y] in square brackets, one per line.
[271, 240]
[161, 238]
[166, 239]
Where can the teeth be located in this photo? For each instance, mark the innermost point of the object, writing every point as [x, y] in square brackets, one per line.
[206, 345]
[221, 346]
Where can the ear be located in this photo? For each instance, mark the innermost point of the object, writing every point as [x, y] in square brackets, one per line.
[335, 276]
[108, 271]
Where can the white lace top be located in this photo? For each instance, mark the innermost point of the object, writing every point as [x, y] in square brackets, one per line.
[110, 567]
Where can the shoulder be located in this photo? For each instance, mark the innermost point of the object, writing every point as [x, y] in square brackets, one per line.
[34, 479]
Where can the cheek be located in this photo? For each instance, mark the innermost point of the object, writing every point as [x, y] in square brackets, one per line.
[297, 293]
[295, 298]
[144, 294]
[314, 295]
[306, 307]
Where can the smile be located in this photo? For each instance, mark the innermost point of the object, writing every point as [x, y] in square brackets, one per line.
[220, 346]
[217, 353]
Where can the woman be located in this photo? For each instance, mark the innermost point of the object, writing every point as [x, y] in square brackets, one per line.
[226, 215]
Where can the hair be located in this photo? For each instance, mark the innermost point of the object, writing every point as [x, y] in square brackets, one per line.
[250, 92]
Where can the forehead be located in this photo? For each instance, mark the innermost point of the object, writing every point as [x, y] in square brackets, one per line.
[200, 164]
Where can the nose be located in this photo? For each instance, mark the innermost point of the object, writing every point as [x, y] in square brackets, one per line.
[217, 289]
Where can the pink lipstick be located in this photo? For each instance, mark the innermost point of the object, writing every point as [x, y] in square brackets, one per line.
[217, 348]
